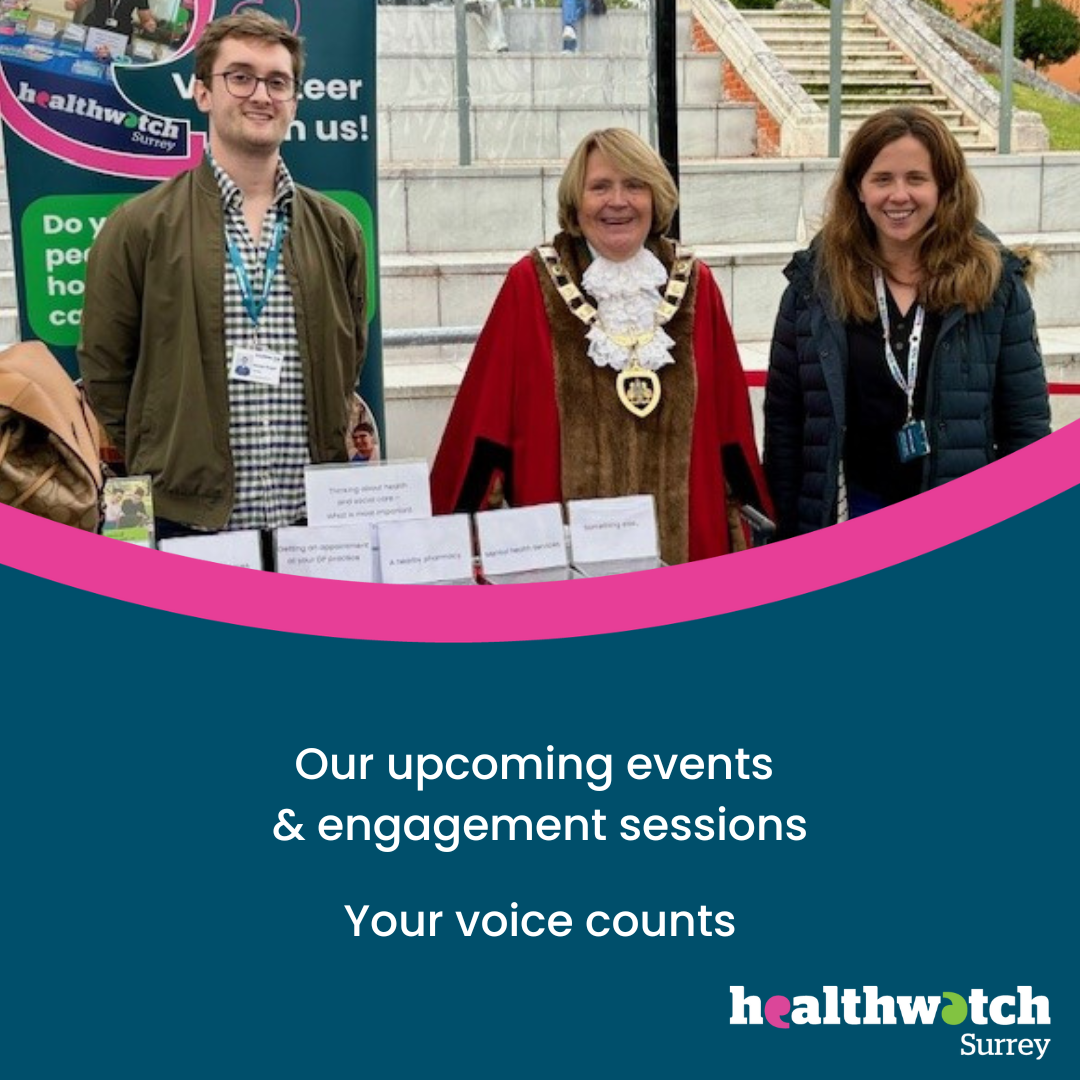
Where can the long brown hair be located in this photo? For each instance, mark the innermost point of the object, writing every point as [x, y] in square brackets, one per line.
[958, 265]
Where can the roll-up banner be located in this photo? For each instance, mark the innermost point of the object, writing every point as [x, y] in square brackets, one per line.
[93, 116]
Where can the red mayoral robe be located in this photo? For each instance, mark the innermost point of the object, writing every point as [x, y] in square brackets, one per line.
[537, 421]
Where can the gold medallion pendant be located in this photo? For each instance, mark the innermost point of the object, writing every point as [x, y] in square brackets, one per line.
[638, 389]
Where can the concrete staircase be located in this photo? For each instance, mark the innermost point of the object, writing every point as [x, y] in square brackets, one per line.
[876, 72]
[534, 103]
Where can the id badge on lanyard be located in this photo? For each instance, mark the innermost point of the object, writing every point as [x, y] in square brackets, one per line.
[253, 364]
[912, 440]
[256, 365]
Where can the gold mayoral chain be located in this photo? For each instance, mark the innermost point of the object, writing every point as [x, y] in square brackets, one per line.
[638, 387]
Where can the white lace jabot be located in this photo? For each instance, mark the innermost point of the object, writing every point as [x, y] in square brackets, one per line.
[627, 295]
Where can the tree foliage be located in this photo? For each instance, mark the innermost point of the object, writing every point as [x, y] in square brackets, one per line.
[1044, 35]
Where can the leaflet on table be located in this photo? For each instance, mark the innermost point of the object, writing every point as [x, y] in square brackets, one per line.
[74, 34]
[106, 41]
[129, 510]
[523, 544]
[369, 493]
[44, 27]
[426, 551]
[341, 552]
[614, 536]
[242, 548]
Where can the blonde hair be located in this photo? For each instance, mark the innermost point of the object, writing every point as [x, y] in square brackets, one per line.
[959, 266]
[629, 154]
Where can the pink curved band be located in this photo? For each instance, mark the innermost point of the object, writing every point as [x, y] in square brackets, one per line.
[563, 609]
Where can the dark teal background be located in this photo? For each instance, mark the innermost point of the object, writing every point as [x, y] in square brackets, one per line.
[922, 720]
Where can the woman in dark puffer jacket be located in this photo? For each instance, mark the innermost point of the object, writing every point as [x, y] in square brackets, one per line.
[905, 352]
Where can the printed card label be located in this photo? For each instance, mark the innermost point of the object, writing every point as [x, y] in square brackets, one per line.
[339, 552]
[523, 538]
[606, 529]
[367, 493]
[242, 548]
[426, 550]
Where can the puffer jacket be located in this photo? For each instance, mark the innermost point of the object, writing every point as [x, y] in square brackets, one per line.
[986, 392]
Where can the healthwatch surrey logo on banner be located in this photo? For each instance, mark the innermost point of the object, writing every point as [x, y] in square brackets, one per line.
[869, 1008]
[156, 131]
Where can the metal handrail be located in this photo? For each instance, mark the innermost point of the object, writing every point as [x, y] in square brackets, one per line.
[430, 335]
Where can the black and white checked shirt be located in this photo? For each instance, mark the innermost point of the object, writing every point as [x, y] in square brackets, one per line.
[268, 430]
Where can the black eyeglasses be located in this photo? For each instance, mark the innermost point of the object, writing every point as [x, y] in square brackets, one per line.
[242, 84]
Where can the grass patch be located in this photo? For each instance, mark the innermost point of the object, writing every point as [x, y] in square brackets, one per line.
[1062, 120]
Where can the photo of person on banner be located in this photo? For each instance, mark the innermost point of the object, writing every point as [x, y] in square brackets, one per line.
[224, 326]
[364, 441]
[119, 16]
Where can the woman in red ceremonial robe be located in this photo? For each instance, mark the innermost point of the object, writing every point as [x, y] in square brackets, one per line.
[607, 367]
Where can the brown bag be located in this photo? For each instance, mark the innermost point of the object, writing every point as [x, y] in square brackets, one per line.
[49, 450]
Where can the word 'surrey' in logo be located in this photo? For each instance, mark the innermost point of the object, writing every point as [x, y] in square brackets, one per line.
[1003, 1010]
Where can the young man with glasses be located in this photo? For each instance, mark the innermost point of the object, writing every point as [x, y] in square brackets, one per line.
[224, 323]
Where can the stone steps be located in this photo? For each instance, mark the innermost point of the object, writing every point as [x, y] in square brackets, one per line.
[432, 366]
[968, 136]
[531, 80]
[431, 29]
[812, 70]
[872, 48]
[415, 134]
[458, 288]
[534, 103]
[801, 21]
[858, 108]
[866, 101]
[879, 74]
[431, 211]
[895, 89]
[859, 34]
[419, 395]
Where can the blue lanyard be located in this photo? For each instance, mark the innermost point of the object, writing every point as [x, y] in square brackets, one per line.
[253, 307]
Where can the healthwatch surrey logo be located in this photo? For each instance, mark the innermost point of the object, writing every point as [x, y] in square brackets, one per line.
[161, 131]
[869, 1008]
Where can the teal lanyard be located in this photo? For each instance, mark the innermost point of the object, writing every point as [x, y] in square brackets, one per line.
[255, 307]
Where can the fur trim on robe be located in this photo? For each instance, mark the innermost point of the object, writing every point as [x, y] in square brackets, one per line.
[606, 450]
[537, 421]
